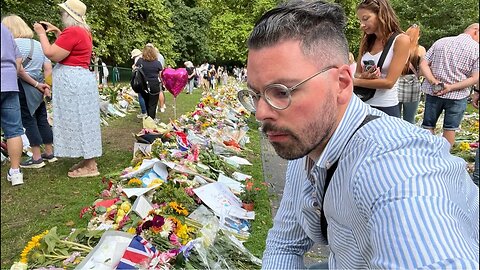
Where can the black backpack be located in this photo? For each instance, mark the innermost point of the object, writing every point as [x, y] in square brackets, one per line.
[138, 81]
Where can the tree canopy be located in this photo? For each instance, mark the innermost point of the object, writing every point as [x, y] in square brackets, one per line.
[217, 30]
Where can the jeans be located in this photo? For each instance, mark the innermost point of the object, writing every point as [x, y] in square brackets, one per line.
[143, 108]
[392, 111]
[190, 85]
[10, 115]
[454, 110]
[408, 110]
[37, 128]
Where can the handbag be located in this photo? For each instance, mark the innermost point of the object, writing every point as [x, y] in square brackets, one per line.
[32, 95]
[365, 93]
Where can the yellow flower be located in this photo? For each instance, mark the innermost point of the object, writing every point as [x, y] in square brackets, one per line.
[178, 208]
[34, 242]
[131, 230]
[155, 181]
[135, 182]
[125, 206]
[464, 146]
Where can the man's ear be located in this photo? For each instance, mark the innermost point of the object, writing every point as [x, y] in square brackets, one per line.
[345, 84]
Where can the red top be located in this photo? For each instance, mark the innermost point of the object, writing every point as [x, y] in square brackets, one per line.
[78, 41]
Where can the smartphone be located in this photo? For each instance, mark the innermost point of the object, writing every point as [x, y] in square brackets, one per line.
[45, 26]
[438, 87]
[368, 64]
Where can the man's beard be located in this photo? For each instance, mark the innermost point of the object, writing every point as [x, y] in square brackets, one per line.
[300, 145]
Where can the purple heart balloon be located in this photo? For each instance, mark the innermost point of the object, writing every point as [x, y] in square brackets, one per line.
[174, 80]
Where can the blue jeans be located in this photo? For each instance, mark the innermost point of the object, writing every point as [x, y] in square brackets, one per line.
[392, 111]
[408, 110]
[190, 86]
[11, 119]
[37, 128]
[454, 110]
[143, 107]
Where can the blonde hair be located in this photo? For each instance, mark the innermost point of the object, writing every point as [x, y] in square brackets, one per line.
[149, 53]
[68, 21]
[17, 26]
[413, 32]
[351, 58]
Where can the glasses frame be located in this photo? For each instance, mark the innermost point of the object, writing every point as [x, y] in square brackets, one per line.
[288, 91]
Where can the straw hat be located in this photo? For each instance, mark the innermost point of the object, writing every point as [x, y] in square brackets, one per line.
[135, 53]
[76, 9]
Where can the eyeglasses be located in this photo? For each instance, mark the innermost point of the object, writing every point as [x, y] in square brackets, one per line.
[276, 95]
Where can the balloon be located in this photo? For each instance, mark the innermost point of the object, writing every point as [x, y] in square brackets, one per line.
[174, 80]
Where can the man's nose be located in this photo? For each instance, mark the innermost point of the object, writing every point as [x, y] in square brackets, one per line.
[263, 110]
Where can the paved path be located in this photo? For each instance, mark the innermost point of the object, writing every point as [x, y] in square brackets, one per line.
[274, 169]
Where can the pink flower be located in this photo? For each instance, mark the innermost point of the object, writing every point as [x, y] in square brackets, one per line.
[174, 240]
[106, 193]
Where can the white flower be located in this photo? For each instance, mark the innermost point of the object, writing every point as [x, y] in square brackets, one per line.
[19, 266]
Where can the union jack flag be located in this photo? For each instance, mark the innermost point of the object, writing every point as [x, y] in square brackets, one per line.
[140, 251]
[182, 141]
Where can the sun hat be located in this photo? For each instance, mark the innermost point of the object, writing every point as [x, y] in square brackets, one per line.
[135, 53]
[76, 9]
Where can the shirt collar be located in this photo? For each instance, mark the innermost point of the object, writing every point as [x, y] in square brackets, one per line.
[351, 120]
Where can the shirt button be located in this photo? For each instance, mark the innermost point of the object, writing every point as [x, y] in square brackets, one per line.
[315, 204]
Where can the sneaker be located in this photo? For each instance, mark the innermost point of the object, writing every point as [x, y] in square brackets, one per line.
[142, 115]
[50, 158]
[164, 106]
[32, 164]
[16, 178]
[162, 110]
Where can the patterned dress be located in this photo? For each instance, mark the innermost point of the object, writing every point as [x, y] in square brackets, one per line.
[76, 113]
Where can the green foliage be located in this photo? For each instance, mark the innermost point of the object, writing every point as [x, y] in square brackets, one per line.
[217, 30]
[171, 192]
[436, 19]
[190, 31]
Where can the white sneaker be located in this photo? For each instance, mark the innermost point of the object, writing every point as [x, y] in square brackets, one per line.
[162, 110]
[164, 106]
[16, 178]
[142, 115]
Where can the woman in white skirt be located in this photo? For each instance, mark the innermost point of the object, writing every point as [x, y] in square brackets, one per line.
[76, 115]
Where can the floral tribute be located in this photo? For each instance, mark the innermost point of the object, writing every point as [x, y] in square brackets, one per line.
[154, 205]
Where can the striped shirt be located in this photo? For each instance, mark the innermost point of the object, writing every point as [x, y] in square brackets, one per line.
[452, 60]
[398, 199]
[35, 66]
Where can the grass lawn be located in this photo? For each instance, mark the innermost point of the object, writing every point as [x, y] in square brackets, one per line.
[49, 198]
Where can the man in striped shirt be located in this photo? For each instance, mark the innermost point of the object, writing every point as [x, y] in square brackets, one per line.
[452, 62]
[397, 198]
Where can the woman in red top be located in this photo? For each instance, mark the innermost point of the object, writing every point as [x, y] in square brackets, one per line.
[76, 113]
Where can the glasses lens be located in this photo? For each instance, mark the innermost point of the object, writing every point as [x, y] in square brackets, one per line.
[278, 96]
[248, 99]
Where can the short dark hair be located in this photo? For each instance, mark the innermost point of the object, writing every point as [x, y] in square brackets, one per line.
[318, 25]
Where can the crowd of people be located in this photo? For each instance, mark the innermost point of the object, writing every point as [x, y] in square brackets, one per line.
[76, 129]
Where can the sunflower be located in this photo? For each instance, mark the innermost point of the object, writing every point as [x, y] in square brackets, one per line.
[34, 242]
[179, 208]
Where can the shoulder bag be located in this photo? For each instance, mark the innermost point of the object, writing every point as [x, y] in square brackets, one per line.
[365, 93]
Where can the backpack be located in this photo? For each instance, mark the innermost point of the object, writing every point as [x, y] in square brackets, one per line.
[138, 81]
